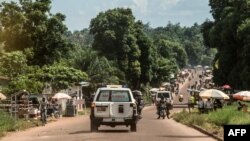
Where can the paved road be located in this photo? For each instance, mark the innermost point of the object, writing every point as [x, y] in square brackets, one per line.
[77, 129]
[184, 92]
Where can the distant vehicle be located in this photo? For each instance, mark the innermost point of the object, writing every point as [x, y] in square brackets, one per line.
[113, 106]
[166, 95]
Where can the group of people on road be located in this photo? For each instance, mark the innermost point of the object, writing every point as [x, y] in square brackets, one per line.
[49, 108]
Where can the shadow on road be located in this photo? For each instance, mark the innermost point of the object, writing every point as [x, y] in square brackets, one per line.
[80, 132]
[113, 131]
[183, 136]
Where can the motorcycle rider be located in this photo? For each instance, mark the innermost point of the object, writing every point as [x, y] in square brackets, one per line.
[140, 103]
[162, 101]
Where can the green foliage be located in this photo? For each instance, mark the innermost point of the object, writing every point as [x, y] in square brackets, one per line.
[24, 82]
[189, 38]
[80, 38]
[146, 60]
[225, 116]
[229, 33]
[100, 71]
[8, 124]
[172, 50]
[162, 70]
[60, 77]
[13, 64]
[30, 25]
[115, 49]
[115, 38]
[228, 115]
[35, 78]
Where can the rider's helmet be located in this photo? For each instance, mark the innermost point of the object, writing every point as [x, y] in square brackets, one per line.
[181, 96]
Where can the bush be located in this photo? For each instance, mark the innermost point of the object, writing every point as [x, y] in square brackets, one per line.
[7, 123]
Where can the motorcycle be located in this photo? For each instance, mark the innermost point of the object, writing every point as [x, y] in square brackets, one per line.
[53, 112]
[162, 110]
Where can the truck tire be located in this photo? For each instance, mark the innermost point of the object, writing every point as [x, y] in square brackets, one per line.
[133, 127]
[93, 126]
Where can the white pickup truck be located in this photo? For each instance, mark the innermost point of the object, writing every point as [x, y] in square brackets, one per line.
[166, 95]
[113, 106]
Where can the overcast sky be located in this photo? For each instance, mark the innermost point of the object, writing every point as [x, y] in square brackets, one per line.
[156, 12]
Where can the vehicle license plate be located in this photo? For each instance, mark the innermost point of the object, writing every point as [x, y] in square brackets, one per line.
[113, 120]
[100, 109]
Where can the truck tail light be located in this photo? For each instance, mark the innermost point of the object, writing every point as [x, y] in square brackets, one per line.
[133, 105]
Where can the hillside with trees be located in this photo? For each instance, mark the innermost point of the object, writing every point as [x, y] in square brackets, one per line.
[38, 50]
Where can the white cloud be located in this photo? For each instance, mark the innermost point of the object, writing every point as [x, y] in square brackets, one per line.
[165, 3]
[142, 5]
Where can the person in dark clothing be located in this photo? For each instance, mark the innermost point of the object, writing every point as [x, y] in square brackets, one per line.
[217, 104]
[162, 101]
[140, 103]
[43, 108]
[201, 105]
[240, 106]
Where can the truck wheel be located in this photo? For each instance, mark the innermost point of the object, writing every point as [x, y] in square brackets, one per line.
[133, 127]
[93, 126]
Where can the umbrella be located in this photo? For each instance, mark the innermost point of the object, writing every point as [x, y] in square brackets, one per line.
[199, 66]
[226, 87]
[154, 89]
[242, 95]
[166, 84]
[213, 93]
[61, 96]
[2, 96]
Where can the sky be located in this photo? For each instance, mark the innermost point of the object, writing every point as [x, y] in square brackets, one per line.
[155, 12]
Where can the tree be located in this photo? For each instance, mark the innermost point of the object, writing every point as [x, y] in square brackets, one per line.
[13, 64]
[172, 51]
[100, 71]
[80, 38]
[60, 77]
[146, 60]
[30, 27]
[229, 33]
[162, 70]
[115, 38]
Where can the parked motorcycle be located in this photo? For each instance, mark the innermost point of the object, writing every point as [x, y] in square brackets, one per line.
[53, 112]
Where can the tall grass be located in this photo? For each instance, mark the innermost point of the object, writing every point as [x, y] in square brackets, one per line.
[228, 115]
[190, 119]
[7, 123]
[215, 120]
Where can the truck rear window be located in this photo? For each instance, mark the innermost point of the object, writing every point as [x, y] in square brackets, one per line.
[164, 95]
[113, 96]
